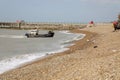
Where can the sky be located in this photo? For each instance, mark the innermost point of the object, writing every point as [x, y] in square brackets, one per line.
[59, 10]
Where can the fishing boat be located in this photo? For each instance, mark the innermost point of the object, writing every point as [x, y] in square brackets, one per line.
[35, 34]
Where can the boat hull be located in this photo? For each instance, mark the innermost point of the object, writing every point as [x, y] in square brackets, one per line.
[39, 35]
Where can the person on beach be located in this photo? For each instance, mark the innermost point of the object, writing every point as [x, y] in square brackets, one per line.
[37, 30]
[91, 24]
[116, 24]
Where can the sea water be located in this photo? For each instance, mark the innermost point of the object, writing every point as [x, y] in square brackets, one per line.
[17, 49]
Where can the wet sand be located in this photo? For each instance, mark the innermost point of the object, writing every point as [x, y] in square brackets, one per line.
[95, 57]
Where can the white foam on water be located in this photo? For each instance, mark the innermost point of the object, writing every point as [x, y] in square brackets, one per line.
[67, 43]
[12, 36]
[78, 37]
[16, 61]
[66, 32]
[11, 63]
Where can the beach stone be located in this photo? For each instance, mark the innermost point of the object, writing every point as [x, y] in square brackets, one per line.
[88, 40]
[114, 50]
[95, 46]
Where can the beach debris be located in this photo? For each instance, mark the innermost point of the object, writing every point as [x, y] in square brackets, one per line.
[95, 46]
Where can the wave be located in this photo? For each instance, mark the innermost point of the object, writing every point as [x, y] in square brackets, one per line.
[70, 41]
[11, 63]
[65, 32]
[15, 61]
[78, 35]
[12, 36]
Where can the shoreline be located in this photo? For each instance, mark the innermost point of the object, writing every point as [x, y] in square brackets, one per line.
[78, 45]
[43, 56]
[83, 61]
[71, 49]
[82, 43]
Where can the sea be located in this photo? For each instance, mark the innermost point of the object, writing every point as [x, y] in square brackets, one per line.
[16, 49]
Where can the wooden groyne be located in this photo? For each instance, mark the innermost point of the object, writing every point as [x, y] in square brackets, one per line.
[26, 25]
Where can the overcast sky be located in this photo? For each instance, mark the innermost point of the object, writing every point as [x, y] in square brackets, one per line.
[59, 10]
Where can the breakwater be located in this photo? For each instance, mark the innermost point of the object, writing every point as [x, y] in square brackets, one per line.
[30, 25]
